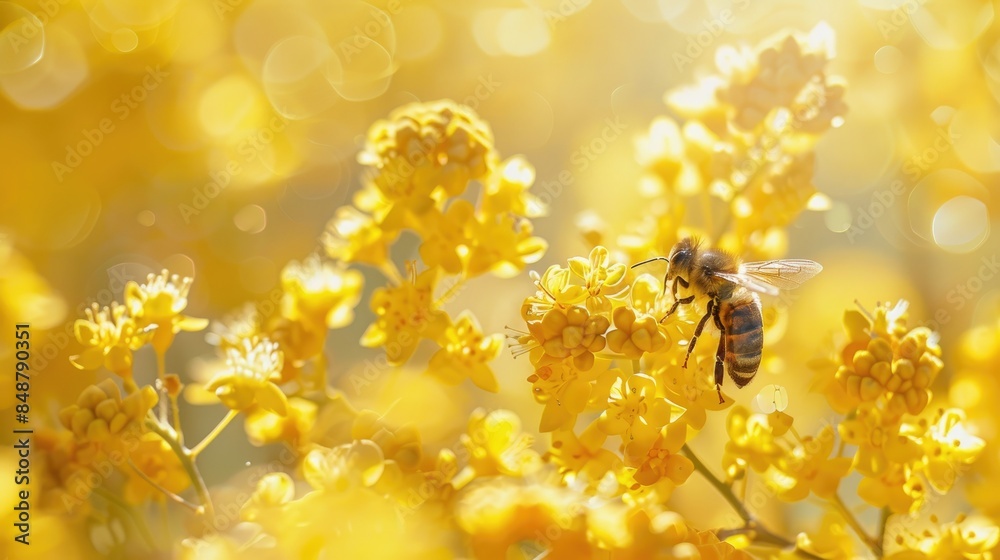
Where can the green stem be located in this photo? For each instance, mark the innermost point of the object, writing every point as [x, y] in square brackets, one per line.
[213, 434]
[751, 527]
[175, 411]
[164, 491]
[883, 521]
[869, 541]
[125, 509]
[636, 367]
[161, 369]
[187, 462]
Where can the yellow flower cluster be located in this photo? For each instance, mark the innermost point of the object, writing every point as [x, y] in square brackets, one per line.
[746, 142]
[889, 362]
[883, 385]
[421, 162]
[102, 415]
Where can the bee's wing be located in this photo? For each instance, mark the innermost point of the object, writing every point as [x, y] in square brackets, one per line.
[767, 277]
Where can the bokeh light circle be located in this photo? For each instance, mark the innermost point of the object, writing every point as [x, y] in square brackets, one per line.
[50, 81]
[930, 195]
[961, 224]
[250, 219]
[294, 77]
[523, 32]
[22, 38]
[888, 59]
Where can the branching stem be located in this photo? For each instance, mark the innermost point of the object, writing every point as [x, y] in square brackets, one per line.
[751, 527]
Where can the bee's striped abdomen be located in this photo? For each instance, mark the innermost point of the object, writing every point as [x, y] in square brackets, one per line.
[744, 339]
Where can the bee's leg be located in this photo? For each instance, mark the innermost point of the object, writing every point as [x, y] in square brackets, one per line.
[677, 301]
[698, 329]
[720, 354]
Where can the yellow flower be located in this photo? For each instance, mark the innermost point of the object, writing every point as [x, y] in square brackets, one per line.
[675, 159]
[496, 444]
[751, 443]
[664, 461]
[423, 147]
[966, 537]
[633, 336]
[809, 467]
[357, 464]
[273, 491]
[249, 377]
[600, 278]
[535, 517]
[562, 333]
[566, 391]
[636, 412]
[879, 440]
[897, 487]
[101, 414]
[507, 191]
[555, 288]
[784, 75]
[264, 426]
[320, 293]
[158, 462]
[692, 389]
[895, 366]
[353, 236]
[158, 303]
[109, 336]
[649, 298]
[503, 245]
[948, 446]
[400, 445]
[583, 454]
[404, 315]
[832, 540]
[246, 322]
[465, 353]
[445, 240]
[67, 475]
[590, 282]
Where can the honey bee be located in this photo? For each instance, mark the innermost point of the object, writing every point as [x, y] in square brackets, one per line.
[733, 304]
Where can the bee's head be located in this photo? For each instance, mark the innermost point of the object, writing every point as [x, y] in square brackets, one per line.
[682, 257]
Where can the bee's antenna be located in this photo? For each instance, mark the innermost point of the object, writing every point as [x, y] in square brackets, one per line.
[647, 261]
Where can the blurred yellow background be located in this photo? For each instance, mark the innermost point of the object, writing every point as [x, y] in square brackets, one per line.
[217, 138]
